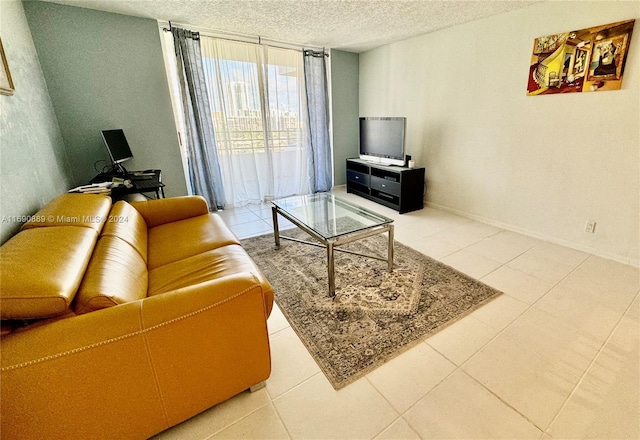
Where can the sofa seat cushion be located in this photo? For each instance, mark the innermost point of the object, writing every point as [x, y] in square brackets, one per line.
[42, 269]
[126, 223]
[182, 239]
[86, 210]
[211, 265]
[117, 274]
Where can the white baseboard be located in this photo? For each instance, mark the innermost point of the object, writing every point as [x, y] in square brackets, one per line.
[597, 252]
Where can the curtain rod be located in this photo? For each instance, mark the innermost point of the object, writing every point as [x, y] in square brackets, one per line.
[315, 53]
[242, 38]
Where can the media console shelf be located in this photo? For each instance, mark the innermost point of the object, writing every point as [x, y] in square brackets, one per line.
[398, 188]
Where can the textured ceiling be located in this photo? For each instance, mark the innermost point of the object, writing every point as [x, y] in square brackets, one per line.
[351, 25]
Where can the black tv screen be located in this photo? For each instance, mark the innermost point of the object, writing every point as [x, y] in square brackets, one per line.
[382, 139]
[117, 145]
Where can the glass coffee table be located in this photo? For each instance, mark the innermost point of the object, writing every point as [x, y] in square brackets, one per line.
[332, 222]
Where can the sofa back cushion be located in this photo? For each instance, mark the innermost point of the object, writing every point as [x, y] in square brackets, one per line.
[117, 274]
[41, 270]
[126, 223]
[84, 210]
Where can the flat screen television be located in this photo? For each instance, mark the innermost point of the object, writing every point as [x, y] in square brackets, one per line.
[382, 140]
[118, 148]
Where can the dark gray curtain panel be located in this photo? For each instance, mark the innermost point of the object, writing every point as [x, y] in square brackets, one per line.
[315, 74]
[205, 177]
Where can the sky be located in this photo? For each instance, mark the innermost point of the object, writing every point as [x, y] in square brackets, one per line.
[283, 89]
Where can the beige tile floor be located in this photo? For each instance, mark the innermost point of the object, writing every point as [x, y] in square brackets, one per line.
[557, 356]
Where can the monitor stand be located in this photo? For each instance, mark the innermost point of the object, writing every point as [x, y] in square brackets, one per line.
[117, 170]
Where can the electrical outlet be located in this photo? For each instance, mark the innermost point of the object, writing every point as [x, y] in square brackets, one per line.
[590, 226]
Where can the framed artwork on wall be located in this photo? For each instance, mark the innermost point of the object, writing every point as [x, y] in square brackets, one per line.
[6, 82]
[603, 65]
[585, 60]
[580, 62]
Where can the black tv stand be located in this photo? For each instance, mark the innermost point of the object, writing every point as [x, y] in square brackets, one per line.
[396, 187]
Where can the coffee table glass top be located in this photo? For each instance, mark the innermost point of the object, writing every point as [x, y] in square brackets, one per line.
[329, 216]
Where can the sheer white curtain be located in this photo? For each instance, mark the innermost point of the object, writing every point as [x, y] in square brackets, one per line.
[260, 120]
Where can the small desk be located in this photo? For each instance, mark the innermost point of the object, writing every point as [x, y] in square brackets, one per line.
[142, 182]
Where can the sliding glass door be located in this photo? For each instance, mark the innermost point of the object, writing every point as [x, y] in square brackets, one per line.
[260, 120]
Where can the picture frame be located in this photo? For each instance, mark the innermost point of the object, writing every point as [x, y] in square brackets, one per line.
[583, 60]
[580, 62]
[6, 82]
[612, 50]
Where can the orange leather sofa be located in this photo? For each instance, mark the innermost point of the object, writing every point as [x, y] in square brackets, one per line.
[120, 321]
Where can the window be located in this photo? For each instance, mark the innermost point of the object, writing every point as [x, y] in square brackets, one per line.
[258, 110]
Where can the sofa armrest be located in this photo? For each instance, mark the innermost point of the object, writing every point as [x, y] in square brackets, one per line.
[85, 376]
[136, 369]
[216, 333]
[160, 211]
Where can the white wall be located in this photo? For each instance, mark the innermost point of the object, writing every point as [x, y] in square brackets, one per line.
[541, 165]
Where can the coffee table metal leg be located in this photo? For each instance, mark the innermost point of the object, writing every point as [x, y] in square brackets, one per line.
[331, 271]
[390, 249]
[276, 232]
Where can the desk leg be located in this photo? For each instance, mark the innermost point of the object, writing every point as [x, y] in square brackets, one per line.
[276, 232]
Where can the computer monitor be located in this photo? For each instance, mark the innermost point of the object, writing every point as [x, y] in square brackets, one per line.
[118, 149]
[117, 146]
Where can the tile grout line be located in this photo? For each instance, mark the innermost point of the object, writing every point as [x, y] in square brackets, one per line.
[275, 408]
[462, 371]
[299, 384]
[593, 361]
[459, 367]
[271, 402]
[545, 430]
[273, 399]
[399, 414]
[500, 332]
[235, 422]
[530, 306]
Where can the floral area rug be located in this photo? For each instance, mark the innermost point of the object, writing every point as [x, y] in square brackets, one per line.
[376, 315]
